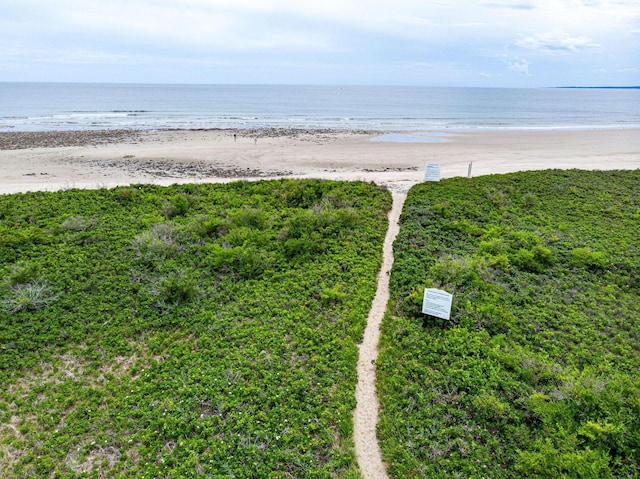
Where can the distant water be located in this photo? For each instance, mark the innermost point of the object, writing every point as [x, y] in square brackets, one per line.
[59, 106]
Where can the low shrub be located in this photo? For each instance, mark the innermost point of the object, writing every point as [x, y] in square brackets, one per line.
[178, 205]
[198, 346]
[585, 258]
[177, 288]
[29, 296]
[538, 372]
[21, 273]
[534, 260]
[157, 243]
[75, 223]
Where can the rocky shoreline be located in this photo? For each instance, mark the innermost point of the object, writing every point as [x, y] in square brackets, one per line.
[294, 132]
[177, 169]
[14, 140]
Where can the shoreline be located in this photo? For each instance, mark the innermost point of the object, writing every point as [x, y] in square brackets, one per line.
[17, 140]
[31, 161]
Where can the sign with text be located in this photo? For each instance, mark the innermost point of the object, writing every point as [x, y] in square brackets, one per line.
[432, 172]
[437, 303]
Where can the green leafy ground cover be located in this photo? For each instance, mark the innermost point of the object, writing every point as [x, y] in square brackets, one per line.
[184, 331]
[539, 373]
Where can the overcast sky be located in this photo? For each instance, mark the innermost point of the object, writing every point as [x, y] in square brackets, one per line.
[493, 43]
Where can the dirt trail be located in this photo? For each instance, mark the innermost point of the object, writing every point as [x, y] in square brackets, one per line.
[366, 413]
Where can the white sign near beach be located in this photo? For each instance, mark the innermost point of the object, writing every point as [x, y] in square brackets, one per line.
[437, 303]
[432, 172]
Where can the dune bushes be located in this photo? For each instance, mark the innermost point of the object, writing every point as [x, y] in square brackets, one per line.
[184, 331]
[538, 373]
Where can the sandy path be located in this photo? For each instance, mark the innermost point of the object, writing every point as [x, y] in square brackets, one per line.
[366, 413]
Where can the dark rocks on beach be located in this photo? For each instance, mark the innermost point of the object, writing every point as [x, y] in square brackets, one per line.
[10, 140]
[388, 168]
[164, 168]
[293, 132]
[160, 168]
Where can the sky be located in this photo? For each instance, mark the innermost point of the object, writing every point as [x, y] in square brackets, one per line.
[492, 43]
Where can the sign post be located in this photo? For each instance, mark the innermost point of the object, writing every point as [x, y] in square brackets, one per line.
[432, 172]
[437, 303]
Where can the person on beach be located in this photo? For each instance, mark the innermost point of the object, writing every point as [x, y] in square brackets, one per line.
[234, 137]
[255, 140]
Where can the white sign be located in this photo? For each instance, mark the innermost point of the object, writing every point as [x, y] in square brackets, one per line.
[437, 303]
[432, 172]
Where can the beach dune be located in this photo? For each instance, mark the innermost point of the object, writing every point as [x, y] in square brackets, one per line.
[53, 161]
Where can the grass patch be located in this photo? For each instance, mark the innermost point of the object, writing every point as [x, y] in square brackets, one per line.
[196, 330]
[538, 374]
[28, 297]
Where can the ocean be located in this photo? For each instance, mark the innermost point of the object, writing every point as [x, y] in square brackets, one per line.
[62, 106]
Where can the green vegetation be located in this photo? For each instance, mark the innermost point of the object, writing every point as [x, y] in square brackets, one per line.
[538, 374]
[184, 331]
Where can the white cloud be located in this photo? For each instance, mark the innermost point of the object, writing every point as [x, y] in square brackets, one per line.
[512, 6]
[555, 42]
[458, 38]
[518, 66]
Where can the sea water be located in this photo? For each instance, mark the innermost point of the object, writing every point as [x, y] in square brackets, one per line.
[62, 106]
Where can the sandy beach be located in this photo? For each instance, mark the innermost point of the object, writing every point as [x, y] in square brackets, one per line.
[62, 160]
